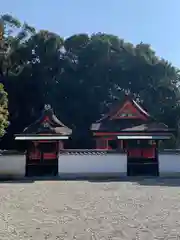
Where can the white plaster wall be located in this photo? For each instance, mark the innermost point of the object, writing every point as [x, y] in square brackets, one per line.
[169, 164]
[111, 164]
[12, 166]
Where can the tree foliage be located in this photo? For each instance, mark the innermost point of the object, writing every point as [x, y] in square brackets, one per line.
[13, 38]
[3, 111]
[81, 77]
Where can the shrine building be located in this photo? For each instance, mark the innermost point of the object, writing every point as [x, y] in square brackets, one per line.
[45, 138]
[127, 140]
[131, 129]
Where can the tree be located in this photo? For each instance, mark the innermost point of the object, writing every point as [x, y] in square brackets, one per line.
[105, 68]
[81, 77]
[11, 59]
[3, 111]
[11, 55]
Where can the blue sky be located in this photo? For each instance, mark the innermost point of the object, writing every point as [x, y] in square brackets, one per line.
[152, 21]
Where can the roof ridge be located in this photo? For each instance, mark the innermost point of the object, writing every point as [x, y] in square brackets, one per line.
[120, 104]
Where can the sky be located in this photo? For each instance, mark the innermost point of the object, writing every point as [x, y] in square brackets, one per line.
[151, 21]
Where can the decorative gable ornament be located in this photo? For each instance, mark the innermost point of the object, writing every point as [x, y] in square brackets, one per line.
[45, 124]
[128, 111]
[47, 107]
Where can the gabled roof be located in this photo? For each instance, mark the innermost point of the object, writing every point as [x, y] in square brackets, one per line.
[128, 116]
[120, 105]
[48, 123]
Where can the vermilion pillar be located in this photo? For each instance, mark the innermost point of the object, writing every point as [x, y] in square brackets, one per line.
[102, 143]
[61, 145]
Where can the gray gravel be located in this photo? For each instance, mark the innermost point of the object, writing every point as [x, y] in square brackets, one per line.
[147, 209]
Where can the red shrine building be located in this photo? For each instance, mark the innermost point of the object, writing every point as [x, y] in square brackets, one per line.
[44, 141]
[131, 129]
[127, 130]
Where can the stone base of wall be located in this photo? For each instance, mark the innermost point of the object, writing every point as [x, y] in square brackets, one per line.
[11, 176]
[169, 174]
[91, 175]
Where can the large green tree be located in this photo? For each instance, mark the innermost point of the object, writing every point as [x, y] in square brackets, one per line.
[82, 76]
[3, 111]
[13, 37]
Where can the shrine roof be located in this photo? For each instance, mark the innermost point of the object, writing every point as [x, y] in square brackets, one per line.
[127, 103]
[48, 123]
[128, 116]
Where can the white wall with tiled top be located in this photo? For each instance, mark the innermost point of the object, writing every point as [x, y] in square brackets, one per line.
[169, 164]
[88, 165]
[12, 166]
[112, 164]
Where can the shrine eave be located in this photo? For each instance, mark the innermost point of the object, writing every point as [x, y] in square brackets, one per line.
[166, 134]
[145, 137]
[32, 137]
[121, 132]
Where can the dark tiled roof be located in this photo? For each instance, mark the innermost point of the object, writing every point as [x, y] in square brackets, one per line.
[50, 126]
[129, 127]
[148, 127]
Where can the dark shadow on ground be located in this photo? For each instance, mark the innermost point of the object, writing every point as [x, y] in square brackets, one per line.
[144, 181]
[16, 181]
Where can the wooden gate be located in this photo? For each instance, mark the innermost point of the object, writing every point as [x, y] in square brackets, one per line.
[142, 161]
[42, 159]
[142, 167]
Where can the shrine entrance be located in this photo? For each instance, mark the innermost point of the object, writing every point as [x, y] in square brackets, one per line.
[42, 159]
[142, 158]
[45, 139]
[131, 130]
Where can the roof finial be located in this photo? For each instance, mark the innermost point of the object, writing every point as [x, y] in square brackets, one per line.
[47, 107]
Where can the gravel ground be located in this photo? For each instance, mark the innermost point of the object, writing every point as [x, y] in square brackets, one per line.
[82, 210]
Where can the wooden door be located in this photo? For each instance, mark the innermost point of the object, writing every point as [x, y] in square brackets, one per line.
[142, 159]
[42, 159]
